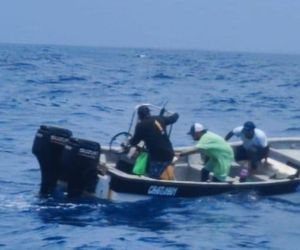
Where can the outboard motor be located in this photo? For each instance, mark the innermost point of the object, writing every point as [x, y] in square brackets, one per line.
[80, 160]
[48, 146]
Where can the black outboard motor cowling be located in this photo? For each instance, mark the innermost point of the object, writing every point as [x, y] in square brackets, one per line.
[80, 160]
[48, 145]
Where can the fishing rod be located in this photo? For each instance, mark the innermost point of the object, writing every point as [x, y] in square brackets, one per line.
[162, 111]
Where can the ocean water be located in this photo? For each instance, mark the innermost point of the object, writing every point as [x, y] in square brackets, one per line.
[92, 91]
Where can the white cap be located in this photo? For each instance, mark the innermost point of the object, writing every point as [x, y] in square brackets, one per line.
[195, 128]
[198, 127]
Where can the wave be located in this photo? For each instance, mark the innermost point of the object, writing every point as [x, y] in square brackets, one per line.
[71, 78]
[288, 85]
[162, 76]
[59, 80]
[19, 66]
[293, 129]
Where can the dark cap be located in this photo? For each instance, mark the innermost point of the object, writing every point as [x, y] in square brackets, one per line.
[143, 111]
[248, 126]
[196, 127]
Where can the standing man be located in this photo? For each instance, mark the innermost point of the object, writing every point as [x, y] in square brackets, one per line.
[254, 146]
[218, 153]
[152, 130]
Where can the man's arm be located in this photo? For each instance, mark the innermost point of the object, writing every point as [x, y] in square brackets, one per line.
[229, 135]
[187, 152]
[171, 119]
[137, 137]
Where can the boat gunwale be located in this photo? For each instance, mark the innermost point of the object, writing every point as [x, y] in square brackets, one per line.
[264, 186]
[136, 178]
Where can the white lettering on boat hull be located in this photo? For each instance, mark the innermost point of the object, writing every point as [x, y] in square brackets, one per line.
[161, 190]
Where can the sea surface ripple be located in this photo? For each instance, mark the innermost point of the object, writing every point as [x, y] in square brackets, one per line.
[92, 91]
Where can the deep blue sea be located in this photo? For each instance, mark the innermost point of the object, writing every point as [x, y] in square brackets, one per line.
[93, 91]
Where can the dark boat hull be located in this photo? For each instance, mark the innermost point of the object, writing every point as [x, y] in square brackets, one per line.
[121, 184]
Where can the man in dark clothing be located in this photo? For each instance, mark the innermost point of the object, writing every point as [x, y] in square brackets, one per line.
[152, 130]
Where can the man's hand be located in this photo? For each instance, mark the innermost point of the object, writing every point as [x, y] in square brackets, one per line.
[177, 154]
[125, 146]
[162, 111]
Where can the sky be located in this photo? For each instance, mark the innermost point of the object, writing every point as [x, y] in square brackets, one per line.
[270, 26]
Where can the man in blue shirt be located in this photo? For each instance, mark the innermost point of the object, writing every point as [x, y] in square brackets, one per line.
[254, 146]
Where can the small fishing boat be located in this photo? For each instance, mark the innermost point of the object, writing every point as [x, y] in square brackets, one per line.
[81, 167]
[280, 174]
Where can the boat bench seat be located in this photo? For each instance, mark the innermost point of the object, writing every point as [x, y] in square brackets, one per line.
[261, 177]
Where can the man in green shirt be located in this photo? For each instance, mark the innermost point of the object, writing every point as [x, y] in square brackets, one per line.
[218, 153]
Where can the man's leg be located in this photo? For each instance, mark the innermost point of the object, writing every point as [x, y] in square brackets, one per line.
[256, 157]
[240, 153]
[156, 169]
[168, 173]
[204, 174]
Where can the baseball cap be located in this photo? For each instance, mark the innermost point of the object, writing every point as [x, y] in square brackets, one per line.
[248, 126]
[196, 127]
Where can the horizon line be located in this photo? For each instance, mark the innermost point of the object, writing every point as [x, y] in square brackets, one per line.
[152, 48]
